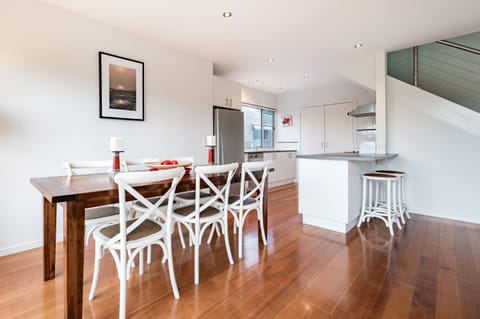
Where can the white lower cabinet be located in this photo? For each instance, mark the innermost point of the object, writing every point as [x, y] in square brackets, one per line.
[284, 165]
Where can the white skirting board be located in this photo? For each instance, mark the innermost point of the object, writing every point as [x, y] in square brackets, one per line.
[25, 246]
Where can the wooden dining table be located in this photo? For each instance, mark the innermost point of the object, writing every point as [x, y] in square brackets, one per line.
[75, 193]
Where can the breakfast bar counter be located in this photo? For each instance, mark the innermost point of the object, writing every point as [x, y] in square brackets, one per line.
[330, 187]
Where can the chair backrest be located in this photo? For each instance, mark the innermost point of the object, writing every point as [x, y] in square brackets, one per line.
[219, 193]
[130, 164]
[126, 183]
[86, 167]
[258, 183]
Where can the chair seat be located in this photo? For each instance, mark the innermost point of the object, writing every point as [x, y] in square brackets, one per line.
[186, 210]
[191, 195]
[147, 228]
[152, 200]
[101, 212]
[247, 201]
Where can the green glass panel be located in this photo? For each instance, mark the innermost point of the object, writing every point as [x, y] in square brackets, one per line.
[400, 65]
[470, 40]
[451, 73]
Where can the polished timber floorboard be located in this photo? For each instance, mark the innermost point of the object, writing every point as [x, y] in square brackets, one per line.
[431, 269]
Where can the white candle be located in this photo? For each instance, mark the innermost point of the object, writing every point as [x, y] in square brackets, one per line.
[116, 144]
[211, 141]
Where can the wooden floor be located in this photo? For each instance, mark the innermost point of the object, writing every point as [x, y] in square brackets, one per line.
[431, 269]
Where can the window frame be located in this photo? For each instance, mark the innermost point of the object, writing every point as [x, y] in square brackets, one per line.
[262, 124]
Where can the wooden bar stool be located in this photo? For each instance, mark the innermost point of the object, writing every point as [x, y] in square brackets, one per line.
[401, 192]
[388, 212]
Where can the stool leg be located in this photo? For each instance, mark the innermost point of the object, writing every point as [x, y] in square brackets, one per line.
[364, 202]
[404, 198]
[396, 208]
[389, 206]
[400, 200]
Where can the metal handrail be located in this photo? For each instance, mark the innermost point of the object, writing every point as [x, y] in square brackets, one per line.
[459, 46]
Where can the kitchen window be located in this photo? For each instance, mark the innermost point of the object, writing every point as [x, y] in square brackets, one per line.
[259, 127]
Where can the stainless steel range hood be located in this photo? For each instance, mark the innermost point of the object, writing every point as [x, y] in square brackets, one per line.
[363, 110]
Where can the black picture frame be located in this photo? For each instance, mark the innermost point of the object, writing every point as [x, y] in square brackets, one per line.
[121, 87]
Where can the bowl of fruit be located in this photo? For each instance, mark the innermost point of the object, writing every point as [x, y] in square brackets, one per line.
[166, 164]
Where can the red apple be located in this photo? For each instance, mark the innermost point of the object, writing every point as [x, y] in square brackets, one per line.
[174, 162]
[166, 162]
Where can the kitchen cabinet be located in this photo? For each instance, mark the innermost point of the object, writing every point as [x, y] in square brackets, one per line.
[227, 93]
[284, 165]
[326, 129]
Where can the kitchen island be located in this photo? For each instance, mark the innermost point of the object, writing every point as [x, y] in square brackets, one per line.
[330, 187]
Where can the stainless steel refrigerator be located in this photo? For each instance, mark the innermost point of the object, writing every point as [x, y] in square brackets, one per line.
[228, 128]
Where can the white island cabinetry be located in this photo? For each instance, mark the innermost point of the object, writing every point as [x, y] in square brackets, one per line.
[330, 188]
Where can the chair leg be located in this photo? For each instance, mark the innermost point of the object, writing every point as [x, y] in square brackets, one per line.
[96, 270]
[240, 240]
[180, 235]
[225, 235]
[140, 261]
[171, 271]
[262, 227]
[212, 231]
[196, 270]
[123, 284]
[149, 254]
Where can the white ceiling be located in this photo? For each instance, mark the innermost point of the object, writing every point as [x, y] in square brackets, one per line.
[303, 37]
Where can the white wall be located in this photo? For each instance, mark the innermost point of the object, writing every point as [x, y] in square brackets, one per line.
[291, 103]
[438, 143]
[49, 105]
[258, 97]
[360, 70]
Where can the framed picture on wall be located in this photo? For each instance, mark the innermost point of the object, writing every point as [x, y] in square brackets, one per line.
[121, 87]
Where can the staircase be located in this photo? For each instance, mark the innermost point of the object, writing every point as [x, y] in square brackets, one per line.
[448, 68]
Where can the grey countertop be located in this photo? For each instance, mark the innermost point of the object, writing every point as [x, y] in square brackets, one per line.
[349, 157]
[267, 150]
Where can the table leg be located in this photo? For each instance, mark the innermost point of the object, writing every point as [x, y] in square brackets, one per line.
[49, 239]
[74, 234]
[265, 212]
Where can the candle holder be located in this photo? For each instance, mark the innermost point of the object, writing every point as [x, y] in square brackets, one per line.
[211, 155]
[115, 163]
[211, 142]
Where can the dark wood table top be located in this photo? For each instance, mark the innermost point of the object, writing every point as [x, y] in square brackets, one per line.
[100, 189]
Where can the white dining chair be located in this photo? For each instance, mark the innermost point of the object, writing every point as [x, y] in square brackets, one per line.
[137, 206]
[127, 239]
[95, 216]
[188, 198]
[198, 217]
[250, 199]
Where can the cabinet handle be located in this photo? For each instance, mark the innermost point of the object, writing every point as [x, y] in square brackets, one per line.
[230, 102]
[326, 144]
[226, 101]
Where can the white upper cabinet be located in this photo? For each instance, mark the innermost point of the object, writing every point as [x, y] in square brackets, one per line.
[326, 129]
[312, 130]
[227, 93]
[338, 128]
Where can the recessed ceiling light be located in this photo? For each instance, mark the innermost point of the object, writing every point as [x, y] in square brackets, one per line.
[270, 60]
[279, 89]
[255, 80]
[306, 76]
[227, 14]
[358, 45]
